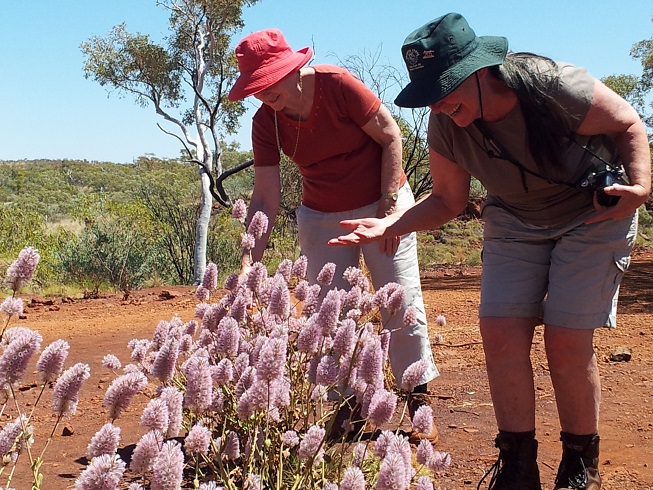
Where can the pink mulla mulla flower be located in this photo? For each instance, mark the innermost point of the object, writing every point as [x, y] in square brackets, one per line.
[320, 393]
[413, 375]
[22, 269]
[258, 226]
[352, 298]
[190, 327]
[423, 420]
[239, 210]
[238, 309]
[8, 435]
[257, 273]
[51, 361]
[165, 362]
[223, 372]
[299, 267]
[247, 241]
[66, 391]
[327, 371]
[139, 348]
[228, 337]
[424, 483]
[371, 360]
[161, 334]
[232, 282]
[199, 384]
[352, 479]
[440, 321]
[231, 447]
[327, 317]
[439, 462]
[382, 407]
[219, 399]
[311, 301]
[110, 361]
[279, 297]
[410, 316]
[284, 268]
[424, 452]
[202, 294]
[201, 309]
[156, 416]
[241, 363]
[401, 446]
[146, 450]
[301, 290]
[12, 306]
[121, 391]
[308, 340]
[396, 301]
[168, 467]
[330, 486]
[392, 473]
[246, 406]
[253, 482]
[210, 277]
[22, 345]
[290, 438]
[272, 359]
[325, 276]
[355, 277]
[359, 454]
[382, 443]
[138, 486]
[104, 441]
[366, 304]
[198, 440]
[311, 445]
[104, 472]
[186, 344]
[345, 338]
[174, 399]
[210, 485]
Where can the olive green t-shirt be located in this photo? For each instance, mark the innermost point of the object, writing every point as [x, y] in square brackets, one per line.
[543, 199]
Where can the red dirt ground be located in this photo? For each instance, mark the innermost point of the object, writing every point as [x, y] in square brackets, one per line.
[461, 398]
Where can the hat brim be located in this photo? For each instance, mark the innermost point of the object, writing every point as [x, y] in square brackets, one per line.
[263, 77]
[491, 51]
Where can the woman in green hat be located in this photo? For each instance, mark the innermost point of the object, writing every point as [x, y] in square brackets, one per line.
[566, 164]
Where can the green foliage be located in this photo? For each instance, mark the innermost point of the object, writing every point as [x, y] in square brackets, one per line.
[112, 251]
[457, 242]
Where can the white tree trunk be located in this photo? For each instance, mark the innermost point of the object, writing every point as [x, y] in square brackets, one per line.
[202, 229]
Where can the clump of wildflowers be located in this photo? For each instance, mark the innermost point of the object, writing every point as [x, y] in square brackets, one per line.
[19, 346]
[255, 384]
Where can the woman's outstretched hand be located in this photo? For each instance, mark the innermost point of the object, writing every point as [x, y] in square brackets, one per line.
[362, 231]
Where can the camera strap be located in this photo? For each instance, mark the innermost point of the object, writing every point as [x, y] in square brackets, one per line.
[500, 152]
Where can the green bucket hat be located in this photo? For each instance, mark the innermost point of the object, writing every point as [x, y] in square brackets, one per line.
[440, 55]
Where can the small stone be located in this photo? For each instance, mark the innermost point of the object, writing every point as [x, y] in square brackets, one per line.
[67, 431]
[620, 354]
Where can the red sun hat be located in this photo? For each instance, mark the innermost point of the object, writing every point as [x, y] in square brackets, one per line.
[265, 58]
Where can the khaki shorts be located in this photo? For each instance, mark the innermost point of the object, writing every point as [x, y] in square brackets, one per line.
[566, 276]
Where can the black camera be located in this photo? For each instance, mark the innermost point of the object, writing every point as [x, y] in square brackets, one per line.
[597, 179]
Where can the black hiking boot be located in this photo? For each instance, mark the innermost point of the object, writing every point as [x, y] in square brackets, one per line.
[579, 466]
[516, 468]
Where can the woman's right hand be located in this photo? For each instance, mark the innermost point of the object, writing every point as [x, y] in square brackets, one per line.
[363, 231]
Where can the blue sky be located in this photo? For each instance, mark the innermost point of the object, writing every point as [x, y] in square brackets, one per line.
[49, 110]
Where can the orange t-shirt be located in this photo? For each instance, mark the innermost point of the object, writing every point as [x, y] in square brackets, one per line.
[340, 164]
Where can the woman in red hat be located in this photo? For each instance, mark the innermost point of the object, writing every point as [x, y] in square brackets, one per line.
[348, 149]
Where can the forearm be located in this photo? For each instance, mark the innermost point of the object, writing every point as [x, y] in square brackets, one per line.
[635, 154]
[428, 213]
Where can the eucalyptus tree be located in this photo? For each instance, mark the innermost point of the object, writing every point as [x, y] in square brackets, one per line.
[185, 78]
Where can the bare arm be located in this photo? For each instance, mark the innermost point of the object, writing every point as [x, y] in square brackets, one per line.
[266, 197]
[448, 198]
[610, 114]
[383, 129]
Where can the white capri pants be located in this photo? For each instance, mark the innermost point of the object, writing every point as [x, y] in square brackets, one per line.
[407, 343]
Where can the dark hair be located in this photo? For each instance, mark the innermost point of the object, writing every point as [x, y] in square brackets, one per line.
[534, 78]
